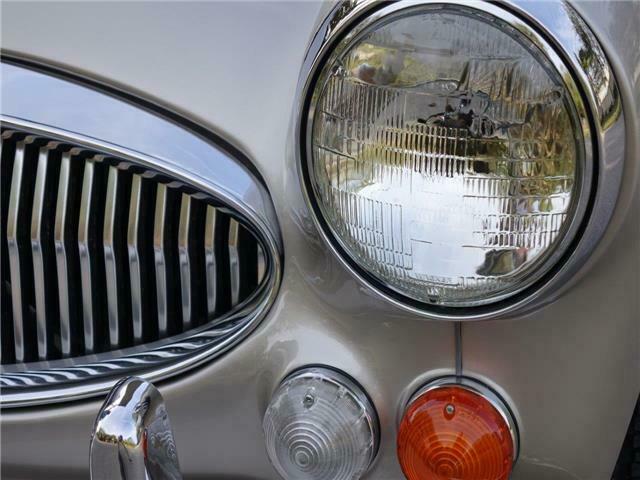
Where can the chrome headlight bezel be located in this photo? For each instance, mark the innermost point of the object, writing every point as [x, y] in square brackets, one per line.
[600, 115]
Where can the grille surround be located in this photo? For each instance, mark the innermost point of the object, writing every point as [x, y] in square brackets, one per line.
[40, 382]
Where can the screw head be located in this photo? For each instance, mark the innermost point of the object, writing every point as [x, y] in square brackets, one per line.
[308, 400]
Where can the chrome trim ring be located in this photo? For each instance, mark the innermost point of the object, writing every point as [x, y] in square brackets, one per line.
[69, 112]
[594, 93]
[485, 392]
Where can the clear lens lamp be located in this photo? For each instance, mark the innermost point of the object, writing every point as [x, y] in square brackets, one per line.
[320, 425]
[445, 154]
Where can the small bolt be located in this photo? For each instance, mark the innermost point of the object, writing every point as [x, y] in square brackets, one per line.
[450, 409]
[308, 400]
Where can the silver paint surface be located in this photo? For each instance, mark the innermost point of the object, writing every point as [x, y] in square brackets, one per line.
[571, 369]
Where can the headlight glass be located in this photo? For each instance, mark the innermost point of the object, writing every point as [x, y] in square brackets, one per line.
[445, 155]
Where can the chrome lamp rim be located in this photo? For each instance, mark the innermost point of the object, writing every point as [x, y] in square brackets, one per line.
[46, 382]
[593, 209]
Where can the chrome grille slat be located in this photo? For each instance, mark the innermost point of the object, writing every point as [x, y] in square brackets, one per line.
[110, 257]
[85, 257]
[210, 258]
[7, 156]
[37, 249]
[61, 254]
[234, 261]
[159, 260]
[183, 253]
[14, 251]
[134, 257]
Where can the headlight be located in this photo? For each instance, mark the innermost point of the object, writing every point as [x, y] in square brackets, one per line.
[446, 154]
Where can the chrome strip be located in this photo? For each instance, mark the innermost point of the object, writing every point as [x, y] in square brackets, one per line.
[85, 256]
[183, 255]
[563, 38]
[68, 113]
[110, 256]
[234, 261]
[210, 258]
[37, 249]
[14, 251]
[134, 257]
[61, 254]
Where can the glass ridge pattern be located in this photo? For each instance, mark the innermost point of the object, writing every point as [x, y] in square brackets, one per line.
[445, 156]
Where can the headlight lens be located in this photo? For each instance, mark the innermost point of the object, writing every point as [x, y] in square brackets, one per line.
[445, 155]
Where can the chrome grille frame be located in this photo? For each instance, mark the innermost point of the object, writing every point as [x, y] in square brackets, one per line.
[204, 167]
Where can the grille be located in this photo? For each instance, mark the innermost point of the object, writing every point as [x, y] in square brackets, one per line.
[100, 254]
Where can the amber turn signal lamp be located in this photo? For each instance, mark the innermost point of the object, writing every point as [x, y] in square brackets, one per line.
[460, 431]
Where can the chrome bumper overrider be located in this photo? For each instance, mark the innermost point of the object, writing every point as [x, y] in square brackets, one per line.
[132, 437]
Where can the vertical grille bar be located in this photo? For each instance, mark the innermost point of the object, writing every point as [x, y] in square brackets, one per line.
[158, 250]
[14, 251]
[85, 257]
[221, 241]
[197, 261]
[147, 261]
[38, 250]
[134, 257]
[234, 261]
[110, 257]
[61, 254]
[172, 258]
[210, 258]
[7, 155]
[183, 253]
[248, 258]
[66, 251]
[96, 254]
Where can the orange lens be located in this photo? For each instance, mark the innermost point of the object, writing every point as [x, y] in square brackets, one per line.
[451, 432]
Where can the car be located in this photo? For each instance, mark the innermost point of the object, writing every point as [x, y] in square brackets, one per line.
[320, 240]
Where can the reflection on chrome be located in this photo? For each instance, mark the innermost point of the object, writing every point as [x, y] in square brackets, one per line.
[132, 437]
[595, 65]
